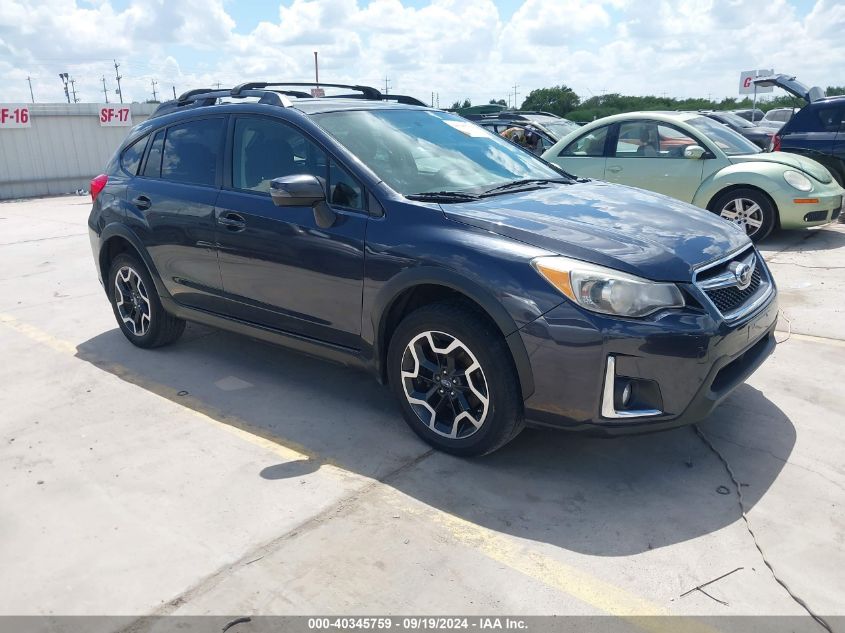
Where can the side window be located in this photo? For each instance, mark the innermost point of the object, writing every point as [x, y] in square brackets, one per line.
[191, 150]
[831, 119]
[130, 159]
[152, 168]
[647, 139]
[590, 144]
[673, 141]
[345, 190]
[264, 149]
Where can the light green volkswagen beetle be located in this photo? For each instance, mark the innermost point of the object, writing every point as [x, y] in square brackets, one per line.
[695, 159]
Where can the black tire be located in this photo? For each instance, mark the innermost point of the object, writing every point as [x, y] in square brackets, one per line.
[479, 341]
[160, 328]
[726, 203]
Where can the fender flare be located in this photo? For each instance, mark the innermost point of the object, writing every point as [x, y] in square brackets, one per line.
[118, 230]
[431, 275]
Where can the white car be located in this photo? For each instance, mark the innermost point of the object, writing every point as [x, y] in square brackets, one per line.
[775, 118]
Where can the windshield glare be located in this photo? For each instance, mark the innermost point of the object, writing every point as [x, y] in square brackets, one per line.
[418, 151]
[561, 128]
[724, 137]
[730, 117]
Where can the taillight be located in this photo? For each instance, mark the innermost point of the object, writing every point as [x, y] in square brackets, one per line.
[775, 146]
[97, 186]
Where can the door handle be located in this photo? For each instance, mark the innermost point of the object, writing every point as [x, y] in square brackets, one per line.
[142, 202]
[615, 169]
[232, 221]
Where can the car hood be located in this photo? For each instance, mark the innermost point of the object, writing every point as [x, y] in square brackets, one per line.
[632, 230]
[802, 163]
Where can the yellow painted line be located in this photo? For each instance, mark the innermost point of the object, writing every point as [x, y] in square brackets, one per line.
[502, 549]
[565, 578]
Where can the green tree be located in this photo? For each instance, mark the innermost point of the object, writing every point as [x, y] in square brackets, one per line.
[500, 102]
[467, 103]
[835, 90]
[455, 106]
[559, 100]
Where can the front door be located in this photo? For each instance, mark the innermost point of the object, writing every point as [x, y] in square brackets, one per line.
[280, 269]
[585, 156]
[650, 155]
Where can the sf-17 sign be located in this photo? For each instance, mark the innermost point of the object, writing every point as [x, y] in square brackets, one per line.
[115, 116]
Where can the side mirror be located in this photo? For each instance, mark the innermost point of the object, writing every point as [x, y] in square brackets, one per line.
[303, 190]
[694, 151]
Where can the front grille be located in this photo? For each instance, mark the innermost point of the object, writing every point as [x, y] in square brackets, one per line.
[730, 298]
[719, 283]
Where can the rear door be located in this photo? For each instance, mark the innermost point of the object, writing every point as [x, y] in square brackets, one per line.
[585, 156]
[171, 206]
[650, 155]
[279, 268]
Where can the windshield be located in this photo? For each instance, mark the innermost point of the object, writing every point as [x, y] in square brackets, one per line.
[419, 151]
[733, 119]
[723, 137]
[560, 127]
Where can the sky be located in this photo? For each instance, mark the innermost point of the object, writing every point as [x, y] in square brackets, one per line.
[457, 49]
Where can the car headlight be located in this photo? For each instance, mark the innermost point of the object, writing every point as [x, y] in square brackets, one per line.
[797, 180]
[606, 290]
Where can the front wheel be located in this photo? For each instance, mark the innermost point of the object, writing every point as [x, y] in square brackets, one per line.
[453, 375]
[749, 209]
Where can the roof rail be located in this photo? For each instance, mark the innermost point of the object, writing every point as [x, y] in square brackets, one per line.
[367, 91]
[209, 96]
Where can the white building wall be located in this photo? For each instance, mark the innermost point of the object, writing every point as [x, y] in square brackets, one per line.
[62, 150]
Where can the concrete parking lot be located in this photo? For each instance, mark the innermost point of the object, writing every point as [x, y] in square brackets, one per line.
[222, 475]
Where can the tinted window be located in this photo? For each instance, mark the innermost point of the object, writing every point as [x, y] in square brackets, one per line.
[830, 118]
[723, 137]
[152, 168]
[265, 149]
[590, 144]
[131, 157]
[191, 150]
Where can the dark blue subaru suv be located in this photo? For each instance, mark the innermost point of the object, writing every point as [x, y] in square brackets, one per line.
[486, 287]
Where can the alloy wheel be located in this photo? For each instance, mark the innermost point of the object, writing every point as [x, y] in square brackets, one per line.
[745, 213]
[132, 301]
[445, 384]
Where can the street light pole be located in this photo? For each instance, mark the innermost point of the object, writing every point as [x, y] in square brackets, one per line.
[64, 78]
[29, 81]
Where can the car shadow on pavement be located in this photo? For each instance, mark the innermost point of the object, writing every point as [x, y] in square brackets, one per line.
[827, 237]
[605, 497]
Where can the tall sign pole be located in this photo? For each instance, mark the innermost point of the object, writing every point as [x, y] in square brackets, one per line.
[105, 92]
[316, 70]
[118, 77]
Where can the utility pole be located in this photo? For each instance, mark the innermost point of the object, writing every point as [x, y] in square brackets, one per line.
[432, 98]
[105, 91]
[63, 77]
[316, 70]
[174, 92]
[515, 93]
[29, 81]
[218, 85]
[386, 84]
[73, 89]
[118, 77]
[154, 82]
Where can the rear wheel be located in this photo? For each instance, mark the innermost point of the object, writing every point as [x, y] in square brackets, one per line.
[748, 208]
[452, 373]
[136, 305]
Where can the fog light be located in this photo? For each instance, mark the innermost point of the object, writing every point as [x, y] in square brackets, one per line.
[626, 394]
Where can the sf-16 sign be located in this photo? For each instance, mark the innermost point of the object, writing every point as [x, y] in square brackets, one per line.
[14, 116]
[115, 116]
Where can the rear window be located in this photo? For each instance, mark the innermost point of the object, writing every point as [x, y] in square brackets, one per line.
[191, 150]
[131, 156]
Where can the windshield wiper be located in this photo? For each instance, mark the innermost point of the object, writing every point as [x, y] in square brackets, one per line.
[526, 181]
[442, 196]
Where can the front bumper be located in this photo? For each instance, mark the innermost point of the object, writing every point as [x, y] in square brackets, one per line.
[799, 215]
[694, 357]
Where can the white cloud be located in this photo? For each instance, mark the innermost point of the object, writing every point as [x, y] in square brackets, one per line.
[459, 48]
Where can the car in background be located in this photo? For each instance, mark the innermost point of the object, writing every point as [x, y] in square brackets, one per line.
[487, 287]
[499, 126]
[693, 158]
[551, 125]
[817, 130]
[775, 118]
[757, 135]
[750, 114]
